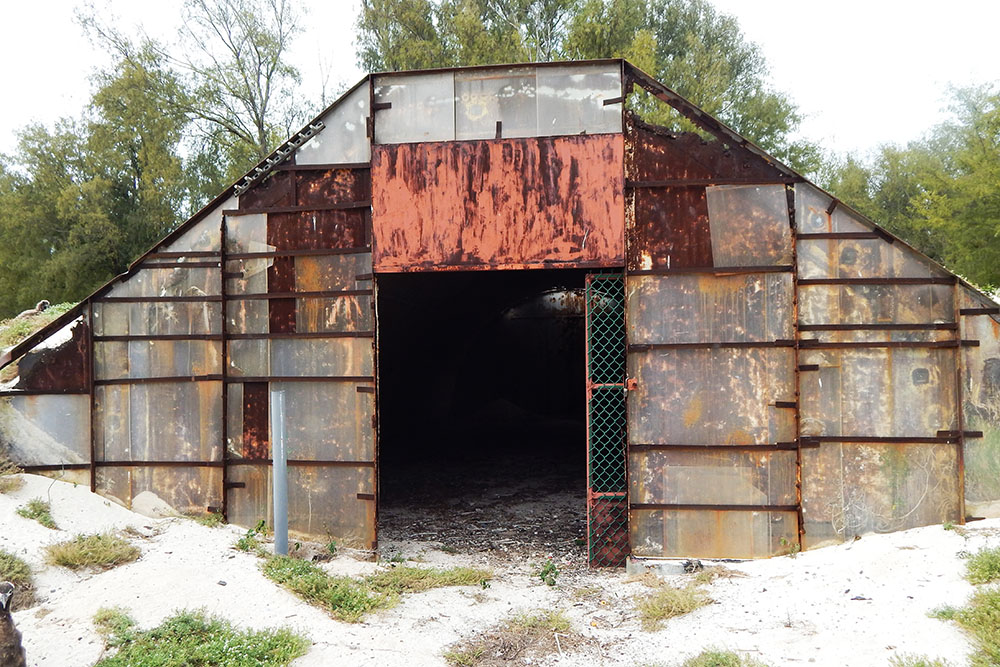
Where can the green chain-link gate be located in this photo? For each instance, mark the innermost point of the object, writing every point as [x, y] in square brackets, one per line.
[607, 501]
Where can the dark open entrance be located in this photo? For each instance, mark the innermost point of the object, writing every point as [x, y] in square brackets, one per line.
[482, 409]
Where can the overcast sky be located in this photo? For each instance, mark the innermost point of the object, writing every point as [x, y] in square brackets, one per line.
[864, 72]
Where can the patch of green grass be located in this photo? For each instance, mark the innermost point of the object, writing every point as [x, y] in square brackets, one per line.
[522, 638]
[667, 602]
[909, 660]
[409, 579]
[210, 519]
[14, 330]
[9, 479]
[39, 510]
[943, 613]
[249, 542]
[17, 572]
[345, 598]
[192, 638]
[717, 658]
[99, 550]
[981, 619]
[983, 566]
[349, 599]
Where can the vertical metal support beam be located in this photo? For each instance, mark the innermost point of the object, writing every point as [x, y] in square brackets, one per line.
[223, 454]
[793, 224]
[91, 351]
[375, 415]
[279, 472]
[960, 399]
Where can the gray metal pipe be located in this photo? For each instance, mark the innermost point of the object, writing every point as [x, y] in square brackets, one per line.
[279, 472]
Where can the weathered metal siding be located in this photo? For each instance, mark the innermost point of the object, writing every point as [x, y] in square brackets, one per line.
[879, 379]
[503, 204]
[710, 311]
[298, 296]
[667, 209]
[980, 363]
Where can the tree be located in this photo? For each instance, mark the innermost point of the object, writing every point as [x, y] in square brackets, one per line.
[684, 43]
[941, 194]
[230, 78]
[79, 203]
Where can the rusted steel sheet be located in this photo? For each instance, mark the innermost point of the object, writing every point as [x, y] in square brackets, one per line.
[700, 308]
[334, 186]
[981, 405]
[256, 441]
[656, 154]
[510, 204]
[316, 230]
[711, 397]
[750, 225]
[854, 488]
[60, 367]
[278, 190]
[668, 229]
[711, 533]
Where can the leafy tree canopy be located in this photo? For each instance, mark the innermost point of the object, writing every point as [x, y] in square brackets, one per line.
[942, 194]
[687, 44]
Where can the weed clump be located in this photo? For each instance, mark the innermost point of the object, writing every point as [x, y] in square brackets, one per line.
[983, 566]
[99, 550]
[9, 479]
[210, 519]
[666, 602]
[548, 573]
[39, 510]
[348, 599]
[17, 572]
[718, 658]
[192, 638]
[524, 637]
[908, 660]
[249, 542]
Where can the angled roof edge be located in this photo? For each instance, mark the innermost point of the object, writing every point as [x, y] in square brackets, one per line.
[253, 176]
[724, 133]
[262, 169]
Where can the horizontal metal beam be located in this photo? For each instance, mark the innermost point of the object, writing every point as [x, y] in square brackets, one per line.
[713, 508]
[703, 182]
[154, 337]
[645, 347]
[205, 298]
[937, 326]
[364, 203]
[716, 270]
[304, 335]
[235, 379]
[946, 280]
[814, 344]
[663, 447]
[311, 252]
[160, 379]
[325, 294]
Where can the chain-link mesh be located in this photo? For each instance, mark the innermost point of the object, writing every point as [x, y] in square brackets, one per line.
[607, 507]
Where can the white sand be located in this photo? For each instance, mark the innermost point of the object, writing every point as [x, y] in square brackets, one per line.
[785, 611]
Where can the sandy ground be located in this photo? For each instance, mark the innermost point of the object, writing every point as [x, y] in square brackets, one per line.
[854, 604]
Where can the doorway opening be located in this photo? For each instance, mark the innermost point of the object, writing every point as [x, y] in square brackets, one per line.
[482, 410]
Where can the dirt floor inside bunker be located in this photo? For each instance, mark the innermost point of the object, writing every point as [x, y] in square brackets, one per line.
[501, 511]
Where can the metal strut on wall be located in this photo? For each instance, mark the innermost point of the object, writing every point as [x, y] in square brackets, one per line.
[607, 488]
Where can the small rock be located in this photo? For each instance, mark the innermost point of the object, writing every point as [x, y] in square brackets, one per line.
[222, 583]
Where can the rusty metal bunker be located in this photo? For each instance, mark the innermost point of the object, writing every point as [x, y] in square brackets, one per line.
[753, 366]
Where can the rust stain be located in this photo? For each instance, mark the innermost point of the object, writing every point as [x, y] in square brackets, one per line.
[693, 412]
[274, 191]
[61, 368]
[334, 186]
[669, 230]
[513, 203]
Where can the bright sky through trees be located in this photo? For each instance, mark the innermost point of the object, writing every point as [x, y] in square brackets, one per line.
[863, 72]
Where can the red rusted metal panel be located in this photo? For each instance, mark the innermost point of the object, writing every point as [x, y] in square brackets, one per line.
[333, 186]
[316, 230]
[668, 229]
[500, 204]
[280, 279]
[255, 433]
[657, 154]
[275, 191]
[65, 367]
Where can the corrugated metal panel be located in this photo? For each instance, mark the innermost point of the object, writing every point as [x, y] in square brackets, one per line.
[506, 204]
